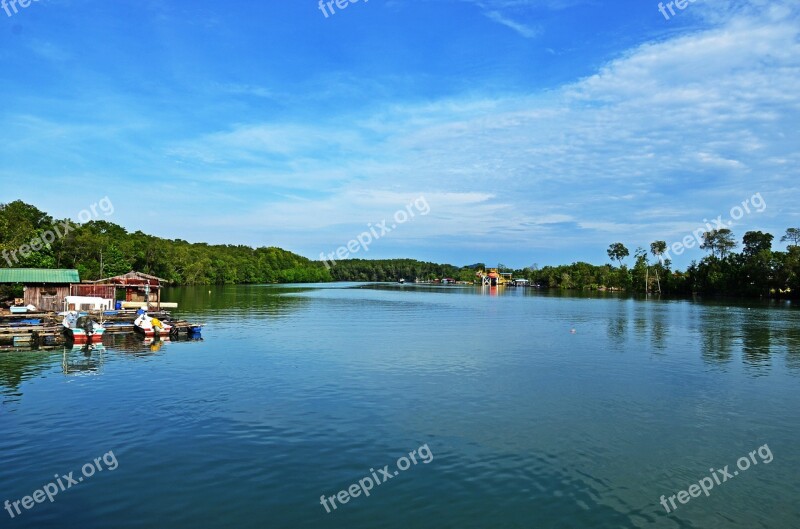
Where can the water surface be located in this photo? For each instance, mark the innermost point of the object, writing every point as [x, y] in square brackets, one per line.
[299, 391]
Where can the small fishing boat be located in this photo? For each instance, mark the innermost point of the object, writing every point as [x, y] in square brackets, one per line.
[151, 327]
[81, 329]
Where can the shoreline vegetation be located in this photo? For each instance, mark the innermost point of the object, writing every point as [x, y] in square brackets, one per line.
[99, 249]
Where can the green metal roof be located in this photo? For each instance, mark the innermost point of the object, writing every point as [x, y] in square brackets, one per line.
[38, 275]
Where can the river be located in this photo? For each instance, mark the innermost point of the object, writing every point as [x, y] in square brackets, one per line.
[522, 409]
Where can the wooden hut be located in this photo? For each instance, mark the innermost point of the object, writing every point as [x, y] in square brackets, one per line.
[44, 289]
[139, 287]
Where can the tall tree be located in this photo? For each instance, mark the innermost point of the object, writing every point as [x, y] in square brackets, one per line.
[617, 252]
[755, 265]
[657, 248]
[756, 242]
[642, 265]
[718, 242]
[792, 235]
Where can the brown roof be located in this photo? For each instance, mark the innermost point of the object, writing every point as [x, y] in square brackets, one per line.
[133, 278]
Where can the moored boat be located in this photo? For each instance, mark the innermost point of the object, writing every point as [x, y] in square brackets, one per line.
[151, 327]
[81, 329]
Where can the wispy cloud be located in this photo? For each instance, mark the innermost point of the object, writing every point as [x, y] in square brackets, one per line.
[682, 126]
[522, 29]
[657, 138]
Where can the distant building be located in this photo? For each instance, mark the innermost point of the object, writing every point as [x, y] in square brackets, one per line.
[139, 288]
[44, 289]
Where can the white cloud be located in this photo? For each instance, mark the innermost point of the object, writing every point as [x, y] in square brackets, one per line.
[664, 135]
[684, 127]
[522, 29]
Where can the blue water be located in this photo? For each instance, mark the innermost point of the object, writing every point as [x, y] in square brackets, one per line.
[298, 392]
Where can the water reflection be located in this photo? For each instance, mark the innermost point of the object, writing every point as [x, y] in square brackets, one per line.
[617, 326]
[268, 300]
[717, 342]
[757, 342]
[17, 367]
[755, 335]
[791, 336]
[83, 360]
[658, 325]
[20, 365]
[648, 321]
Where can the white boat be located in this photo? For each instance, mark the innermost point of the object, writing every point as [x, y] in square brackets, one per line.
[151, 327]
[82, 329]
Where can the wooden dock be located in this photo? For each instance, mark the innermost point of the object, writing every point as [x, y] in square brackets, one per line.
[32, 336]
[44, 330]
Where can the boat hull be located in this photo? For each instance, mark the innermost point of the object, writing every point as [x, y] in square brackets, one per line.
[151, 333]
[151, 327]
[79, 337]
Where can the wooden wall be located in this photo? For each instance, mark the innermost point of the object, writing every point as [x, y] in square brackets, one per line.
[46, 297]
[95, 291]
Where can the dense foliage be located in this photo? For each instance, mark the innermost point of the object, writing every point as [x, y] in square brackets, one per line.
[757, 270]
[99, 249]
[395, 269]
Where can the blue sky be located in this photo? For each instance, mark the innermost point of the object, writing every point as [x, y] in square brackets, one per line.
[538, 131]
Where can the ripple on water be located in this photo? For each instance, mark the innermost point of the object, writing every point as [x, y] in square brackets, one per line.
[300, 392]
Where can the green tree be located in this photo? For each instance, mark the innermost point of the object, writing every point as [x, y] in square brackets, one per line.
[756, 263]
[617, 252]
[718, 242]
[641, 269]
[792, 235]
[658, 248]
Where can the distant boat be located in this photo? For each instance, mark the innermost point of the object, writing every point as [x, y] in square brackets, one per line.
[401, 281]
[82, 330]
[151, 327]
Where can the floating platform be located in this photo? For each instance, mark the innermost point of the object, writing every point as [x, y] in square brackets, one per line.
[151, 305]
[43, 330]
[33, 336]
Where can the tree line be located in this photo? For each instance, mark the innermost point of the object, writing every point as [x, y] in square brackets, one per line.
[396, 269]
[758, 270]
[99, 249]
